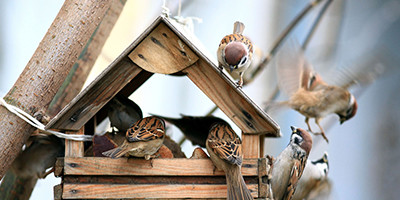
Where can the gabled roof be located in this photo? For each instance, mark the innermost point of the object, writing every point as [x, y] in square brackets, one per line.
[165, 48]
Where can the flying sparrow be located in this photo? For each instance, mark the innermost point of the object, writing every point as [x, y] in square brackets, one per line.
[314, 173]
[235, 53]
[123, 112]
[195, 128]
[143, 139]
[225, 149]
[289, 165]
[40, 155]
[309, 94]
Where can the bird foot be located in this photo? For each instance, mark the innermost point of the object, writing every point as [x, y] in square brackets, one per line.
[148, 157]
[239, 85]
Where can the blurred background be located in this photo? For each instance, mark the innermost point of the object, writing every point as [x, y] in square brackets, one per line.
[364, 153]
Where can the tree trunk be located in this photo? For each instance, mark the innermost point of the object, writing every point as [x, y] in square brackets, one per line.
[46, 71]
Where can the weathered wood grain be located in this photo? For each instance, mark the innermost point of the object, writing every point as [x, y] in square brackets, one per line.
[74, 148]
[251, 146]
[120, 191]
[83, 107]
[233, 102]
[156, 167]
[163, 52]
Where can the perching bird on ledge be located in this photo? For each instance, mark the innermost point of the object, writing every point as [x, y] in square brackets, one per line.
[289, 165]
[143, 139]
[225, 149]
[195, 128]
[309, 94]
[123, 112]
[235, 53]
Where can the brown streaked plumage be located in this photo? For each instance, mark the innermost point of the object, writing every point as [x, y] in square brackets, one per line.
[314, 174]
[289, 165]
[309, 94]
[225, 149]
[143, 139]
[235, 53]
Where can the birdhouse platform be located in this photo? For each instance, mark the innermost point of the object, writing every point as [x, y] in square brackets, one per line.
[166, 48]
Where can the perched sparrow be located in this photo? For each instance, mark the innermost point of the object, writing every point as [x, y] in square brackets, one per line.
[235, 53]
[314, 173]
[123, 112]
[195, 128]
[309, 94]
[143, 139]
[225, 149]
[289, 165]
[40, 155]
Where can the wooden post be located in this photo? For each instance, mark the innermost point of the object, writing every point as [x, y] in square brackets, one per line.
[251, 146]
[46, 71]
[74, 148]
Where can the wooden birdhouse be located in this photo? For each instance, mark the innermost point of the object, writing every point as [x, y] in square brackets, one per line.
[163, 48]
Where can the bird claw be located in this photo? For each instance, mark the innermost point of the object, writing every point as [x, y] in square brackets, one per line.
[148, 157]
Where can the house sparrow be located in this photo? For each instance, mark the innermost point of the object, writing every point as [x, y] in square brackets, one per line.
[143, 139]
[40, 155]
[225, 149]
[123, 112]
[289, 165]
[314, 173]
[195, 128]
[309, 94]
[235, 53]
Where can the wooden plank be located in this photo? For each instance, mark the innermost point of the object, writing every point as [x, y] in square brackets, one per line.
[141, 191]
[251, 146]
[83, 107]
[232, 101]
[59, 167]
[74, 148]
[57, 191]
[163, 52]
[157, 167]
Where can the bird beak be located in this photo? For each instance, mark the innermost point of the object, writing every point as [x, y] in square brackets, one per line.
[342, 120]
[231, 68]
[293, 129]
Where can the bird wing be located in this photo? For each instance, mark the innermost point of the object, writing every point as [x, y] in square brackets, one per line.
[146, 129]
[226, 144]
[295, 174]
[238, 27]
[293, 70]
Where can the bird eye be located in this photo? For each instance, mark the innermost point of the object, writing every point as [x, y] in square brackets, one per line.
[243, 60]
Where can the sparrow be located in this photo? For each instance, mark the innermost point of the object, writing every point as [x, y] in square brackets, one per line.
[309, 94]
[235, 53]
[195, 128]
[39, 156]
[225, 149]
[314, 173]
[123, 112]
[289, 165]
[143, 139]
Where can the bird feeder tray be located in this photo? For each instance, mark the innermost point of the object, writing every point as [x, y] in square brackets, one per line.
[165, 48]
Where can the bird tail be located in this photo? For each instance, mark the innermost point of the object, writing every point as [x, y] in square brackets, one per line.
[116, 152]
[237, 189]
[238, 27]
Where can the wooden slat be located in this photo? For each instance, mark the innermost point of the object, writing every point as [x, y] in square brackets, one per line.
[251, 146]
[123, 191]
[156, 167]
[233, 102]
[163, 52]
[96, 95]
[111, 80]
[74, 148]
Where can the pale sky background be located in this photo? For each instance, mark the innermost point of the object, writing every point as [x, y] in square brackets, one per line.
[364, 153]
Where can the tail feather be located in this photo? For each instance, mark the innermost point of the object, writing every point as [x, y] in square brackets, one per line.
[237, 189]
[116, 152]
